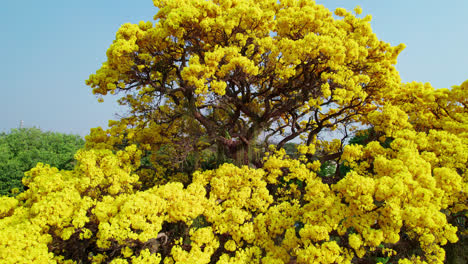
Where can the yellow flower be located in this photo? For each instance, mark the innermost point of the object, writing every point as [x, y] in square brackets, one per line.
[230, 245]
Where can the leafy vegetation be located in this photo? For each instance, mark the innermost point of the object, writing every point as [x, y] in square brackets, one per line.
[21, 150]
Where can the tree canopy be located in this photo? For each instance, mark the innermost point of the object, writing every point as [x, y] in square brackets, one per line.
[364, 169]
[228, 73]
[21, 149]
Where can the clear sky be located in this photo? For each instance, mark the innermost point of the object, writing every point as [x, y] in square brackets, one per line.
[49, 48]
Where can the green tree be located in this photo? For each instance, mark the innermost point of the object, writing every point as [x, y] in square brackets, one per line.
[22, 149]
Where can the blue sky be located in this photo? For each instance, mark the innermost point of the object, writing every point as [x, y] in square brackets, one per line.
[49, 48]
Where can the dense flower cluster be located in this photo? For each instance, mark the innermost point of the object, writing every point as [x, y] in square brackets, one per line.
[239, 215]
[394, 196]
[220, 72]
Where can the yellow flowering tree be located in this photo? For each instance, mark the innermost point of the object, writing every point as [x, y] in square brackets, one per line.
[225, 73]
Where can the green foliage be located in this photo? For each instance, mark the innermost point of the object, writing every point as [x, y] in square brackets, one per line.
[365, 136]
[22, 149]
[291, 149]
[362, 137]
[327, 169]
[383, 260]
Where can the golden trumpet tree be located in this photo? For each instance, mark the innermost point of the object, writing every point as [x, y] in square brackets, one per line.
[227, 72]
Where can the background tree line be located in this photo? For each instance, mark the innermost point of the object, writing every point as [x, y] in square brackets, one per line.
[21, 149]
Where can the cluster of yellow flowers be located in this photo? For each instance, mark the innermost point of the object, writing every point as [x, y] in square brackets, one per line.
[197, 45]
[397, 199]
[237, 214]
[154, 141]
